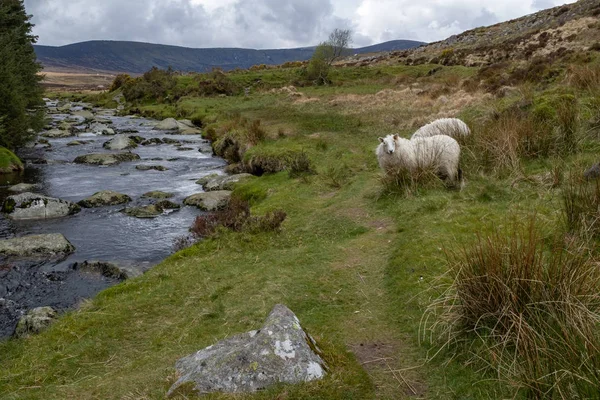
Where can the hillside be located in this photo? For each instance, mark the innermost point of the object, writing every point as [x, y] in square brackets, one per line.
[548, 34]
[135, 57]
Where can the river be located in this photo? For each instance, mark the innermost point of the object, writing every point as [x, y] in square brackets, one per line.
[103, 233]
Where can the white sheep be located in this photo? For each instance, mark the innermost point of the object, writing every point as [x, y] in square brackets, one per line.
[452, 127]
[439, 152]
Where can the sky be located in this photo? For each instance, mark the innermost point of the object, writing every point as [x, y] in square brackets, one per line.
[266, 24]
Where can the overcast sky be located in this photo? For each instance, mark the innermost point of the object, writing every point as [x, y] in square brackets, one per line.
[263, 24]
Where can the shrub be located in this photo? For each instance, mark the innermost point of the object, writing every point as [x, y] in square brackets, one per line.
[405, 182]
[299, 164]
[154, 84]
[254, 133]
[215, 83]
[529, 312]
[581, 207]
[119, 81]
[236, 217]
[585, 77]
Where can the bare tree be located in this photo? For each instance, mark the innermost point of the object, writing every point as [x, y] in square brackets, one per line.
[339, 40]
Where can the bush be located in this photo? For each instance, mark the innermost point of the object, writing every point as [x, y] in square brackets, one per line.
[529, 312]
[581, 207]
[236, 217]
[155, 84]
[119, 81]
[299, 164]
[216, 83]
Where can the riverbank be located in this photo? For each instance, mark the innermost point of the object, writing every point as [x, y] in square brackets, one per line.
[358, 263]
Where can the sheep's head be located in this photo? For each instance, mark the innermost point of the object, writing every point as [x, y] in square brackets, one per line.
[389, 143]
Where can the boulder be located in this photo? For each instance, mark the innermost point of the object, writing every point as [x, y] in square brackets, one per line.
[65, 126]
[223, 182]
[279, 352]
[157, 195]
[151, 141]
[189, 131]
[42, 246]
[101, 129]
[169, 124]
[85, 114]
[23, 187]
[184, 149]
[185, 123]
[105, 198]
[108, 269]
[87, 135]
[167, 205]
[151, 211]
[57, 133]
[151, 167]
[35, 321]
[209, 201]
[37, 206]
[106, 158]
[120, 142]
[75, 143]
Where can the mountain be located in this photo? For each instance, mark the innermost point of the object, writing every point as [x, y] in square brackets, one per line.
[135, 57]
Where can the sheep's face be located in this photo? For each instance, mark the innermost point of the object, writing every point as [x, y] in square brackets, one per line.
[389, 144]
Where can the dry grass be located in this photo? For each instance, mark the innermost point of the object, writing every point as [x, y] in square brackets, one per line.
[529, 312]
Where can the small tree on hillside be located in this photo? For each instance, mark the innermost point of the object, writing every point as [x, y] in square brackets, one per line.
[325, 54]
[20, 90]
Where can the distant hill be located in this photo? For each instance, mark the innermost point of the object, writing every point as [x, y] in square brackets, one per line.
[135, 57]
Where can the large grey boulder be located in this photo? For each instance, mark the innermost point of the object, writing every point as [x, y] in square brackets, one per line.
[105, 198]
[209, 201]
[35, 321]
[279, 352]
[37, 206]
[223, 182]
[169, 124]
[106, 158]
[120, 142]
[43, 246]
[101, 129]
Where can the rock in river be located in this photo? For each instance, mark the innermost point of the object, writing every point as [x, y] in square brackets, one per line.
[37, 206]
[106, 158]
[279, 352]
[109, 269]
[42, 246]
[150, 167]
[35, 321]
[105, 198]
[151, 211]
[169, 124]
[23, 187]
[157, 195]
[222, 182]
[57, 133]
[209, 201]
[120, 142]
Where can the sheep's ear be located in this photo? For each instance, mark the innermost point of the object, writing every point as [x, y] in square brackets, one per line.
[396, 137]
[381, 139]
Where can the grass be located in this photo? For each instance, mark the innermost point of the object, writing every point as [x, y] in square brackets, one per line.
[357, 263]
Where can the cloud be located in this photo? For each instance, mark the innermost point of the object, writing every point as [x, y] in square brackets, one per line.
[265, 23]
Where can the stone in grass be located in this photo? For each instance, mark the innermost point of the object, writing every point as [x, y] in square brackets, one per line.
[35, 321]
[224, 182]
[105, 198]
[280, 352]
[593, 172]
[209, 201]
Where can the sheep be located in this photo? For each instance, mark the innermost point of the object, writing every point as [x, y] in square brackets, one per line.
[452, 127]
[440, 152]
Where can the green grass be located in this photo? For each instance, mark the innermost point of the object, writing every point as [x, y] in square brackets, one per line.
[357, 265]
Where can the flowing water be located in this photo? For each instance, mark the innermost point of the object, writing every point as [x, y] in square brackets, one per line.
[103, 233]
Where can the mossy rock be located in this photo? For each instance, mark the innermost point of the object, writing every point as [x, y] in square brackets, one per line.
[105, 198]
[9, 162]
[157, 195]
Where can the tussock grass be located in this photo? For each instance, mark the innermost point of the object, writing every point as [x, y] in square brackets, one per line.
[528, 311]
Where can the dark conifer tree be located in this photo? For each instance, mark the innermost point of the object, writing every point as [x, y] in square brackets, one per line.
[21, 112]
